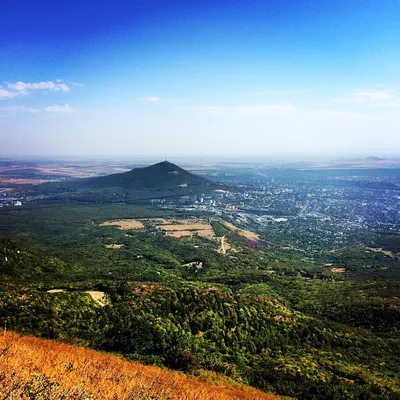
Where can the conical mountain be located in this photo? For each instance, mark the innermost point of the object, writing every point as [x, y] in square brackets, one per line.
[163, 175]
[163, 179]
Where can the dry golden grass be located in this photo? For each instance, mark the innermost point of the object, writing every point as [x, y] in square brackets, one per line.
[179, 234]
[159, 221]
[338, 270]
[97, 296]
[124, 224]
[114, 246]
[34, 368]
[185, 227]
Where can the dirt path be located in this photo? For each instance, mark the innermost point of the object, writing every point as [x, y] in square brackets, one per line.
[224, 245]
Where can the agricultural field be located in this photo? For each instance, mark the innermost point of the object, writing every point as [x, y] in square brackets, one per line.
[124, 224]
[176, 228]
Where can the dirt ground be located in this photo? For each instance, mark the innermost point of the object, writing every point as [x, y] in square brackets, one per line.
[114, 246]
[124, 224]
[187, 228]
[172, 227]
[97, 296]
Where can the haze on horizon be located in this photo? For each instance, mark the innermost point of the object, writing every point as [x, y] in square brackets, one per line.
[199, 77]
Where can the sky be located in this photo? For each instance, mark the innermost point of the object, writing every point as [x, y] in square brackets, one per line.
[232, 77]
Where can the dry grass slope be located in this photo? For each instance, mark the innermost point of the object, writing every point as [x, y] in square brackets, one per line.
[32, 368]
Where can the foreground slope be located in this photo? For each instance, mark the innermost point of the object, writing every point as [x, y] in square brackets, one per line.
[34, 368]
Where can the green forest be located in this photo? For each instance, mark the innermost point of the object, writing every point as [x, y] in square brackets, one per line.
[276, 318]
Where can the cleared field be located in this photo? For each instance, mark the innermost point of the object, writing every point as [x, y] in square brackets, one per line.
[171, 227]
[114, 246]
[97, 296]
[179, 234]
[159, 221]
[338, 270]
[124, 224]
[186, 228]
[242, 232]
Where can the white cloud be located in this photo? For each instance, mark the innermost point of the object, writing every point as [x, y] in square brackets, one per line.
[77, 84]
[32, 110]
[152, 99]
[10, 110]
[23, 88]
[364, 96]
[6, 94]
[65, 109]
[281, 92]
[279, 109]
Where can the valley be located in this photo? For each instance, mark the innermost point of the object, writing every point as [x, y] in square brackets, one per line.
[214, 282]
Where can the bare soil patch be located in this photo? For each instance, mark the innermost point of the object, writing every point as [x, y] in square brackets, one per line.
[225, 246]
[124, 224]
[97, 296]
[381, 250]
[338, 270]
[187, 228]
[114, 246]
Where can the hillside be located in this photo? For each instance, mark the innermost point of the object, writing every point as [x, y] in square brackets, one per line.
[35, 368]
[163, 179]
[22, 263]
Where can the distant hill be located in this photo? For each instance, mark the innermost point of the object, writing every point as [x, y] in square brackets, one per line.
[36, 368]
[163, 179]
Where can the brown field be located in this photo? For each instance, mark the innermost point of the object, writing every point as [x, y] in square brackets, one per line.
[114, 246]
[23, 181]
[37, 368]
[159, 221]
[97, 296]
[179, 234]
[124, 224]
[185, 228]
[338, 270]
[172, 227]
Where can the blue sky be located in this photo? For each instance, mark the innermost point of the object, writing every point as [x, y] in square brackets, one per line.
[199, 77]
